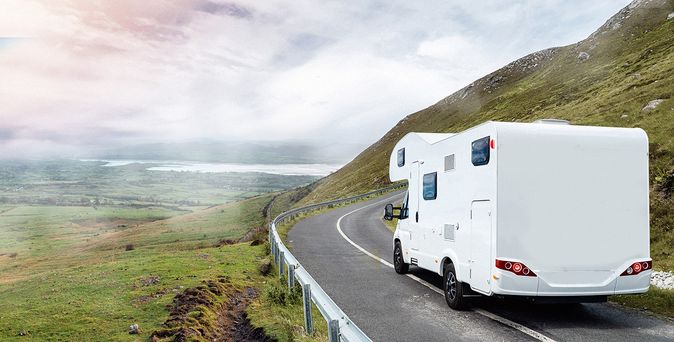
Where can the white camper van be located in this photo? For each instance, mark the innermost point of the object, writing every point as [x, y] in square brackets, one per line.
[545, 210]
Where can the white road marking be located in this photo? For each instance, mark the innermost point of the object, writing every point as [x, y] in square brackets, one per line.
[528, 331]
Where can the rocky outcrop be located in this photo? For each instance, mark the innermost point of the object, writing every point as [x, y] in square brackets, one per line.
[652, 105]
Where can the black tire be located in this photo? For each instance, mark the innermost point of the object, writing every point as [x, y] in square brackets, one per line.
[453, 289]
[398, 261]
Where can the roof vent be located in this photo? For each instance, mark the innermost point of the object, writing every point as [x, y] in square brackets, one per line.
[552, 122]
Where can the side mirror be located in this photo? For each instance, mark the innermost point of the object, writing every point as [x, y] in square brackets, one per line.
[388, 212]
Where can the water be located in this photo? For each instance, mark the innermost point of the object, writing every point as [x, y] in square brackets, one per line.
[187, 166]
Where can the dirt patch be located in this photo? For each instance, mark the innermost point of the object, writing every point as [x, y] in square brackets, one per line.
[224, 242]
[213, 311]
[666, 186]
[148, 298]
[102, 223]
[256, 236]
[234, 316]
[151, 280]
[265, 267]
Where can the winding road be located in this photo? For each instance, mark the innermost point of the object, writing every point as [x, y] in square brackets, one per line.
[349, 252]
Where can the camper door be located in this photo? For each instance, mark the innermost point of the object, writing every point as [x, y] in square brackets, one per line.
[412, 222]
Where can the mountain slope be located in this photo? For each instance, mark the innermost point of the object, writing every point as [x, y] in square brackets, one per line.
[606, 80]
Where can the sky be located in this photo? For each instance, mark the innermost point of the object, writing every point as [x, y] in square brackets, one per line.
[78, 74]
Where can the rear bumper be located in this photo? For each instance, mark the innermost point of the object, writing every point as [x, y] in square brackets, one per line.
[633, 284]
[509, 284]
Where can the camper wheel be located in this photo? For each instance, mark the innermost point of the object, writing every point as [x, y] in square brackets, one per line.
[453, 289]
[398, 262]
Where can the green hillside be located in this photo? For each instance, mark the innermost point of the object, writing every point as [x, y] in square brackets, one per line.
[606, 80]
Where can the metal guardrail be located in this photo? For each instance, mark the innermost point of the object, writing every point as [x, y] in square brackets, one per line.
[340, 327]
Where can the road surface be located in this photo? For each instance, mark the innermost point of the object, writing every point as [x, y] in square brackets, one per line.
[392, 307]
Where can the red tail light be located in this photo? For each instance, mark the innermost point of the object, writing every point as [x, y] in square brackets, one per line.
[637, 268]
[515, 267]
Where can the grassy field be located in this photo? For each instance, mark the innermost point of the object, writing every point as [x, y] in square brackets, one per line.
[72, 277]
[89, 271]
[631, 62]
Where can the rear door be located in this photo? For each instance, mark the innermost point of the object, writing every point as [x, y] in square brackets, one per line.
[480, 246]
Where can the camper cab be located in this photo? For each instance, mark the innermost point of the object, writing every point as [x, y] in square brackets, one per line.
[544, 209]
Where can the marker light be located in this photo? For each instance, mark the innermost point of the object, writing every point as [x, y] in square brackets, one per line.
[637, 268]
[492, 144]
[515, 267]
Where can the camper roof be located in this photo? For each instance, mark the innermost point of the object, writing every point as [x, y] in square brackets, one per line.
[432, 138]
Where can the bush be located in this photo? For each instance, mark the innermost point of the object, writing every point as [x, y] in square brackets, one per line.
[279, 294]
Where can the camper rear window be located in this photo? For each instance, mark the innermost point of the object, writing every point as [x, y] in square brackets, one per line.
[480, 154]
[401, 157]
[430, 186]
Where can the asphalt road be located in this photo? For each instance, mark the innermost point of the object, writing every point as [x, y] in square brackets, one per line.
[391, 307]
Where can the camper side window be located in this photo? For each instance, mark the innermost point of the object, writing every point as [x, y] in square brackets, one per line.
[480, 153]
[430, 186]
[401, 157]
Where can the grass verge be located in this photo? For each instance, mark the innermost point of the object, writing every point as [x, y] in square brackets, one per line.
[281, 312]
[656, 300]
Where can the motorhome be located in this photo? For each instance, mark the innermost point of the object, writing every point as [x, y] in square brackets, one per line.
[543, 210]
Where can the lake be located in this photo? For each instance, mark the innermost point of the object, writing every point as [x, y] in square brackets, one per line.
[188, 166]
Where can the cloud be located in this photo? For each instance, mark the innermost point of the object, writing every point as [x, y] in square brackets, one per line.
[227, 8]
[114, 72]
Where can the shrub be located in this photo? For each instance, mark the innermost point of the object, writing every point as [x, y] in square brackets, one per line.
[279, 294]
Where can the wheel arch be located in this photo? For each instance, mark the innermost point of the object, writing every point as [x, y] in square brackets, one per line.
[406, 257]
[446, 261]
[450, 258]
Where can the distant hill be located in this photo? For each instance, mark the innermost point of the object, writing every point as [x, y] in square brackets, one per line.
[608, 79]
[233, 152]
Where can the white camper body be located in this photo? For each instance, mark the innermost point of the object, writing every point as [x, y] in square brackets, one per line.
[566, 204]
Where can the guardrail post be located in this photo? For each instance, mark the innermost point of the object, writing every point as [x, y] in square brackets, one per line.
[333, 331]
[308, 320]
[291, 276]
[281, 264]
[275, 252]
